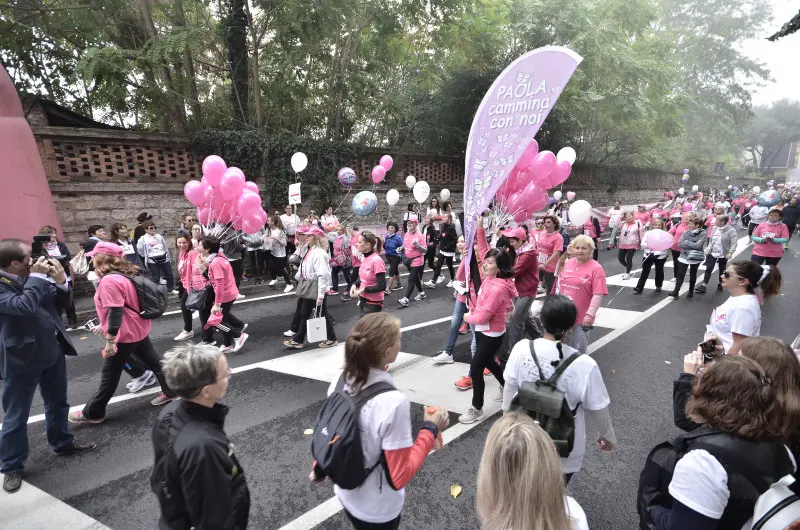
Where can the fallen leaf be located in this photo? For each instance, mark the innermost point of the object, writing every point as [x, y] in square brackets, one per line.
[455, 490]
[668, 362]
[308, 431]
[84, 338]
[613, 371]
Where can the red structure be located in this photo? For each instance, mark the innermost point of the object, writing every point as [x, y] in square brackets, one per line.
[25, 200]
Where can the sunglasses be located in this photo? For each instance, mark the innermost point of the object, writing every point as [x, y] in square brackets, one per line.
[151, 227]
[726, 275]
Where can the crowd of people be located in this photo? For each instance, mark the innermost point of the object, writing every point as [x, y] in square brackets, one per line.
[738, 398]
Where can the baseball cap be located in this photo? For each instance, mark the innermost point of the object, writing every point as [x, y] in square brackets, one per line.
[516, 233]
[104, 247]
[315, 232]
[214, 320]
[301, 230]
[413, 218]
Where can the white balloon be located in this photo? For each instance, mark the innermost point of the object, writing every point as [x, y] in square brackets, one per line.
[392, 196]
[421, 191]
[727, 178]
[445, 194]
[299, 162]
[410, 181]
[756, 189]
[568, 154]
[730, 186]
[557, 195]
[579, 212]
[695, 187]
[681, 191]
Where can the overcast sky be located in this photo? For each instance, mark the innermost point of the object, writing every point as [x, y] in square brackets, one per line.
[781, 57]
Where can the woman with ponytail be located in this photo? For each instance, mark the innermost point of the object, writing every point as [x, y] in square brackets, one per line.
[370, 283]
[740, 316]
[385, 426]
[581, 383]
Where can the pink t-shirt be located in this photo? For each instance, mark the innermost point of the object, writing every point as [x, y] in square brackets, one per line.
[548, 244]
[411, 252]
[115, 290]
[368, 274]
[197, 280]
[581, 282]
[220, 274]
[354, 243]
[588, 229]
[771, 249]
[676, 232]
[643, 217]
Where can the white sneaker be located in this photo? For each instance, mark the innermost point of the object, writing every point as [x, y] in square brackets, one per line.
[626, 276]
[175, 292]
[420, 296]
[443, 358]
[429, 284]
[226, 349]
[288, 333]
[289, 288]
[440, 279]
[273, 283]
[238, 343]
[239, 296]
[403, 302]
[184, 335]
[162, 281]
[449, 284]
[146, 379]
[471, 416]
[672, 280]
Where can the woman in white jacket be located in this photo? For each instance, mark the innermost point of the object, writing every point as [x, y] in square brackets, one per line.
[153, 249]
[275, 240]
[314, 281]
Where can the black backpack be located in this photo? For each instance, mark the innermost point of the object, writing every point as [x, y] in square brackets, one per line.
[746, 482]
[336, 442]
[152, 297]
[548, 406]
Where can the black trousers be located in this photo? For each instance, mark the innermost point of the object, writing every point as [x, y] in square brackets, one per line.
[437, 271]
[680, 274]
[257, 263]
[487, 348]
[157, 269]
[307, 308]
[394, 524]
[414, 280]
[112, 370]
[790, 226]
[761, 260]
[750, 228]
[231, 323]
[335, 278]
[596, 251]
[238, 270]
[625, 257]
[185, 313]
[675, 255]
[368, 306]
[710, 262]
[647, 264]
[277, 268]
[430, 257]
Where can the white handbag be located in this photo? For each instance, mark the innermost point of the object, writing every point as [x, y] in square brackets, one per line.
[316, 330]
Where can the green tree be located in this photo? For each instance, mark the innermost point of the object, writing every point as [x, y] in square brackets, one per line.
[770, 130]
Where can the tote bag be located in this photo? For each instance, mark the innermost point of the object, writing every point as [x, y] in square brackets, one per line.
[315, 327]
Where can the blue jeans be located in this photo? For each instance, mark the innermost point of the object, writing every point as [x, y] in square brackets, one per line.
[18, 391]
[455, 323]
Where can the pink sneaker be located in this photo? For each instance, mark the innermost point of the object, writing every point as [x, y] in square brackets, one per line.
[465, 383]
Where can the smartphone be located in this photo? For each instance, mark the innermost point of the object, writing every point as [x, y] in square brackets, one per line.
[709, 349]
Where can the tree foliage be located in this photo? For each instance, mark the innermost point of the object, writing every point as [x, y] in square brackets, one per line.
[770, 130]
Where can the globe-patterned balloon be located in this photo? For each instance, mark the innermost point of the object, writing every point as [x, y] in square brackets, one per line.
[347, 177]
[364, 203]
[769, 198]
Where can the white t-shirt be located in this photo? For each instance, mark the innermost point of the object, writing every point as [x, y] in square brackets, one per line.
[577, 518]
[154, 246]
[385, 424]
[739, 314]
[433, 212]
[759, 214]
[716, 243]
[701, 483]
[290, 223]
[582, 385]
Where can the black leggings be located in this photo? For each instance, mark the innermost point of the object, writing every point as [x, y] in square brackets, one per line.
[277, 268]
[414, 280]
[186, 313]
[680, 274]
[238, 270]
[394, 265]
[750, 228]
[394, 524]
[306, 308]
[256, 259]
[761, 260]
[112, 370]
[438, 270]
[335, 278]
[647, 264]
[710, 261]
[430, 257]
[625, 257]
[486, 348]
[675, 255]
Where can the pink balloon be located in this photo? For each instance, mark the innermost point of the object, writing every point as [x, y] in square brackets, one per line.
[688, 207]
[560, 173]
[203, 215]
[528, 155]
[514, 201]
[232, 183]
[237, 223]
[523, 216]
[204, 180]
[259, 217]
[252, 186]
[378, 173]
[226, 214]
[543, 164]
[248, 202]
[196, 192]
[534, 197]
[386, 162]
[213, 168]
[658, 240]
[250, 228]
[570, 195]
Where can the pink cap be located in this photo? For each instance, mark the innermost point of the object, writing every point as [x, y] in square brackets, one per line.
[301, 230]
[516, 233]
[314, 231]
[214, 320]
[104, 247]
[413, 218]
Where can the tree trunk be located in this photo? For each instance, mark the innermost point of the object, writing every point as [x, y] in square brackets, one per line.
[237, 59]
[190, 80]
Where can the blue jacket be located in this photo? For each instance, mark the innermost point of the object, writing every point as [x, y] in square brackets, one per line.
[391, 243]
[32, 335]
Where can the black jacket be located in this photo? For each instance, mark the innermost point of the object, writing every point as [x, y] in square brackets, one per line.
[198, 480]
[448, 238]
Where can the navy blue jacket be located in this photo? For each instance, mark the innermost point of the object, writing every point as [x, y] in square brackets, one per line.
[32, 335]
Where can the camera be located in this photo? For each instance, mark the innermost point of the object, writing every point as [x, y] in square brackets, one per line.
[37, 246]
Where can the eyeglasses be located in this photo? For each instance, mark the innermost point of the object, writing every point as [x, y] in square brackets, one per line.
[151, 227]
[726, 275]
[226, 376]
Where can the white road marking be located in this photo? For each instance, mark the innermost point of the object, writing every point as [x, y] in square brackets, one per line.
[31, 507]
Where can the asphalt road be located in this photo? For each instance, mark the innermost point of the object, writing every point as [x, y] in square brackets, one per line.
[274, 395]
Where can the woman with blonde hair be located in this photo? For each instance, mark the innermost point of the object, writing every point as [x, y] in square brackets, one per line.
[520, 482]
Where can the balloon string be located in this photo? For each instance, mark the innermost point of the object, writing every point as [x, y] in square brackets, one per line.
[342, 201]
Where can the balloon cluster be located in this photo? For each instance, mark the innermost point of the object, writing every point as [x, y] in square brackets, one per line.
[224, 196]
[525, 190]
[365, 202]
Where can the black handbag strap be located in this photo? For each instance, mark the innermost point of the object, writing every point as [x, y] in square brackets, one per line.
[562, 366]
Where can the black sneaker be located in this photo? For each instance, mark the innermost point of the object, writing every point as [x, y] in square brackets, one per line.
[637, 290]
[12, 481]
[76, 449]
[398, 288]
[700, 288]
[690, 294]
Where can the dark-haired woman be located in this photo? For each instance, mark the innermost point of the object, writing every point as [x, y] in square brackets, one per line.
[411, 211]
[122, 237]
[371, 282]
[732, 400]
[495, 301]
[391, 242]
[186, 257]
[582, 382]
[769, 238]
[447, 251]
[550, 244]
[58, 251]
[153, 249]
[740, 315]
[393, 456]
[126, 333]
